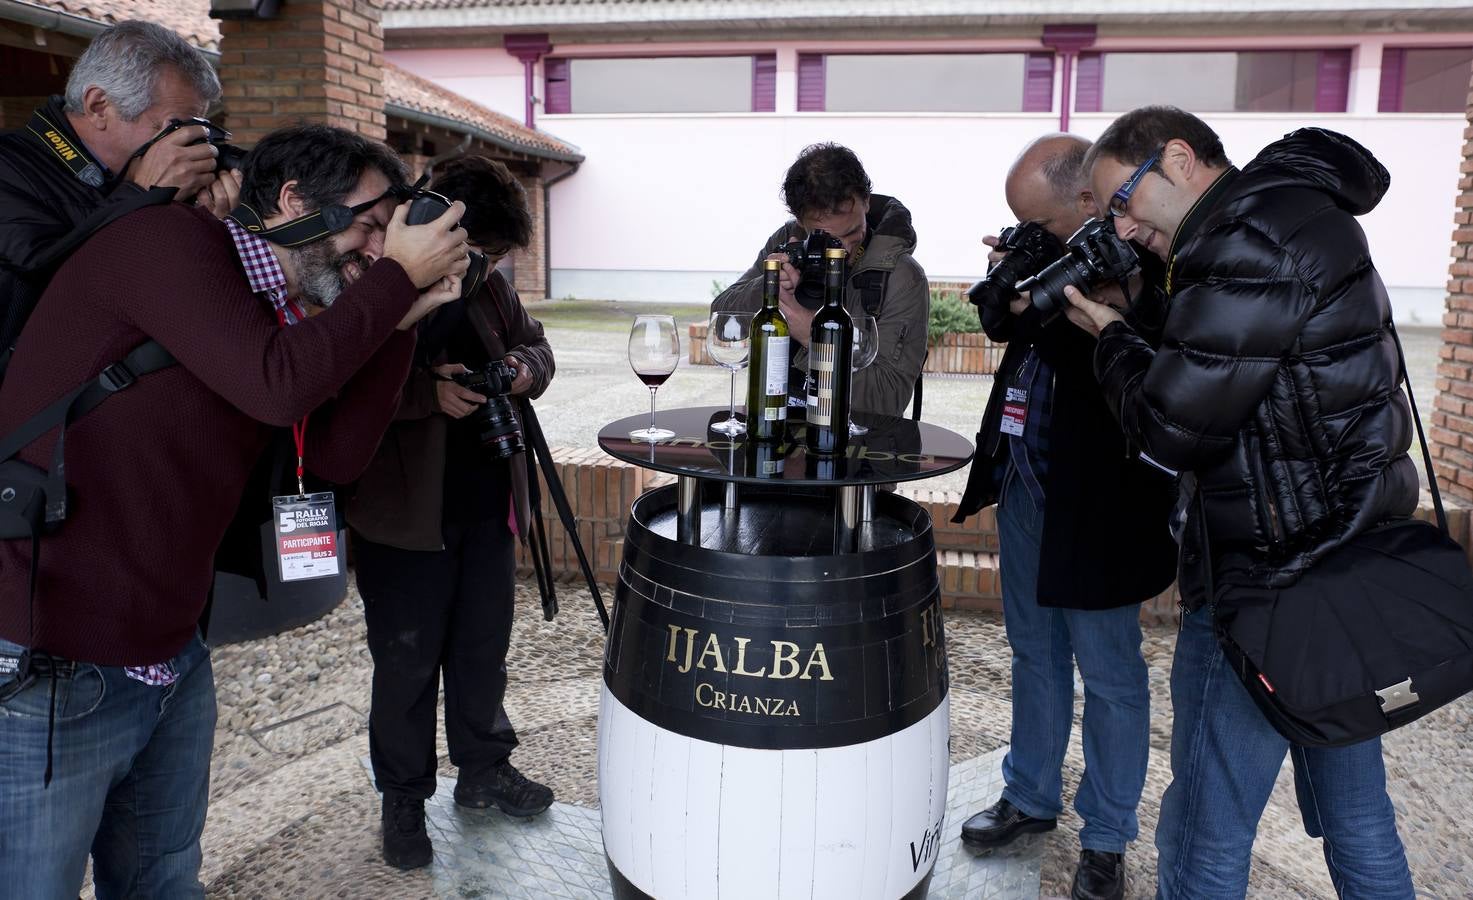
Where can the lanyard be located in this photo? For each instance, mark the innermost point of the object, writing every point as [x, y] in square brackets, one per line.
[299, 429]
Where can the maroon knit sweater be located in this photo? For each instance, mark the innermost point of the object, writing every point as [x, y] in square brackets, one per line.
[155, 473]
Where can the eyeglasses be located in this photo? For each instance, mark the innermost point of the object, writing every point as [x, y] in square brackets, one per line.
[1122, 197]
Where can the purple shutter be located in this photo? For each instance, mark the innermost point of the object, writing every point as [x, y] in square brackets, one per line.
[557, 88]
[764, 82]
[1393, 78]
[1088, 83]
[811, 96]
[1332, 81]
[1038, 83]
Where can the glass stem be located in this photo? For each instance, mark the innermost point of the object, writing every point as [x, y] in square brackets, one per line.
[652, 407]
[731, 405]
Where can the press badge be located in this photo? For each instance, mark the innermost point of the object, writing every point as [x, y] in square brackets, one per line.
[306, 535]
[1014, 411]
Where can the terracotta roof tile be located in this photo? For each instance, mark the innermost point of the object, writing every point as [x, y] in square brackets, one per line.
[413, 92]
[191, 18]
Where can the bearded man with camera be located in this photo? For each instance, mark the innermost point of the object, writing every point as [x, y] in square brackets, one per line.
[81, 152]
[1082, 524]
[828, 193]
[435, 519]
[107, 697]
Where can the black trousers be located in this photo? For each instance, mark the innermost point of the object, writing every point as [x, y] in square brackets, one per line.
[430, 612]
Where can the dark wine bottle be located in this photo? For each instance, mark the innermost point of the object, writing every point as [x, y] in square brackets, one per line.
[767, 376]
[830, 349]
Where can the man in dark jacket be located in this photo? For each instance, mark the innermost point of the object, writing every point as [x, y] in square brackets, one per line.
[1275, 387]
[434, 522]
[1083, 528]
[77, 153]
[827, 189]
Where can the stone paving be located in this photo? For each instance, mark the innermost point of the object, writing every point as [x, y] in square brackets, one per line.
[293, 813]
[560, 854]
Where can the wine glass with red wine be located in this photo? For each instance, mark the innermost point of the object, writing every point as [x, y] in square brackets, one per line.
[654, 352]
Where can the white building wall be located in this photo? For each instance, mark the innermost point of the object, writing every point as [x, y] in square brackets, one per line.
[667, 204]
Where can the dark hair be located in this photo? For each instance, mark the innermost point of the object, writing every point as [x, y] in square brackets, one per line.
[495, 202]
[1133, 137]
[326, 163]
[824, 177]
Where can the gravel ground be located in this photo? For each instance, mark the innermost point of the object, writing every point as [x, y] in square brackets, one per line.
[293, 812]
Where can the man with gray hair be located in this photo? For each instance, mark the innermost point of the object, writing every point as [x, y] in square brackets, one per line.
[79, 152]
[1083, 539]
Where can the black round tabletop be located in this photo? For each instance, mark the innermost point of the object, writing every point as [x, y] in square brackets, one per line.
[894, 450]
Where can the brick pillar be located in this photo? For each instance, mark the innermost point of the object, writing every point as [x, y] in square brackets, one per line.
[1452, 419]
[316, 61]
[531, 267]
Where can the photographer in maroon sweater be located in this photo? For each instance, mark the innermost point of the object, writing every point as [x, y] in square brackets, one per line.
[118, 709]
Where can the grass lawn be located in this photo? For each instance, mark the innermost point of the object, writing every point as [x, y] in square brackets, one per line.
[611, 315]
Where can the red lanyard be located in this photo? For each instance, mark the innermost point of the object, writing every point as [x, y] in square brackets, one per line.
[299, 429]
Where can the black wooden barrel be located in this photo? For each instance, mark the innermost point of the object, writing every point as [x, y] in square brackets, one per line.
[774, 715]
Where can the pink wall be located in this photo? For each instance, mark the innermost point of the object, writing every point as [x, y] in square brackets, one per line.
[708, 184]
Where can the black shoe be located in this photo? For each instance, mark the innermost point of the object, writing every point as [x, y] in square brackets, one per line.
[1100, 876]
[512, 792]
[1000, 824]
[406, 845]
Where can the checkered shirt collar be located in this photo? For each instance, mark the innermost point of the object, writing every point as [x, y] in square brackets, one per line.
[263, 270]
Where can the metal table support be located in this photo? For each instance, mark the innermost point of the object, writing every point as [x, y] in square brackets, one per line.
[688, 509]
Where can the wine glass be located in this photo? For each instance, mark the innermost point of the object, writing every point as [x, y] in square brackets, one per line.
[654, 352]
[866, 347]
[729, 341]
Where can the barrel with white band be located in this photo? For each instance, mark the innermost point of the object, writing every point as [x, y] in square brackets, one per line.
[774, 716]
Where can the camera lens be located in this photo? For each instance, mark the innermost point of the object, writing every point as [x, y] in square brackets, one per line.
[1046, 289]
[496, 425]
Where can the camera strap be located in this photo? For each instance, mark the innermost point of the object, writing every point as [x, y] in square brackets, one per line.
[322, 222]
[68, 152]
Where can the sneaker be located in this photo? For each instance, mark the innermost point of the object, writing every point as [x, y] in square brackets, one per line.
[406, 845]
[509, 790]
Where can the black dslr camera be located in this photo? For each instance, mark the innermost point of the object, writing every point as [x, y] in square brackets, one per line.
[427, 206]
[807, 258]
[1029, 247]
[1093, 256]
[230, 156]
[495, 420]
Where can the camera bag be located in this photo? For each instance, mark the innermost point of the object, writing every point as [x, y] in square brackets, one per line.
[1377, 634]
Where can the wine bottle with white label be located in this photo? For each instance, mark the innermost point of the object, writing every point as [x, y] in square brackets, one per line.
[829, 353]
[767, 377]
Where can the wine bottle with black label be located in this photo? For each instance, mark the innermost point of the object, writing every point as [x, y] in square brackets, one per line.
[767, 376]
[829, 351]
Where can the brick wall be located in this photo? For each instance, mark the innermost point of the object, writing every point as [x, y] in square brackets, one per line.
[531, 262]
[316, 61]
[1452, 417]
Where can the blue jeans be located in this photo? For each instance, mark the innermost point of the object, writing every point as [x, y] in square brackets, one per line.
[1225, 757]
[131, 774]
[1046, 643]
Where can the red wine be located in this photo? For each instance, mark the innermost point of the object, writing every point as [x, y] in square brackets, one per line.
[653, 379]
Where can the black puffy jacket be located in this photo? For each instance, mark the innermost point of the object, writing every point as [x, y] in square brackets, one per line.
[1277, 381]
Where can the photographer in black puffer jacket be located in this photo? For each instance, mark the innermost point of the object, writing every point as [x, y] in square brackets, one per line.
[1275, 388]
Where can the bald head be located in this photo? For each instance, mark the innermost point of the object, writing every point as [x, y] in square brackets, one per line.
[1049, 185]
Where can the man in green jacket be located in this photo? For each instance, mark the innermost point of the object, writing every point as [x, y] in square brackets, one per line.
[827, 189]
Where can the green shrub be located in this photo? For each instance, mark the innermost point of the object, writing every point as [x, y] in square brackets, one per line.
[950, 314]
